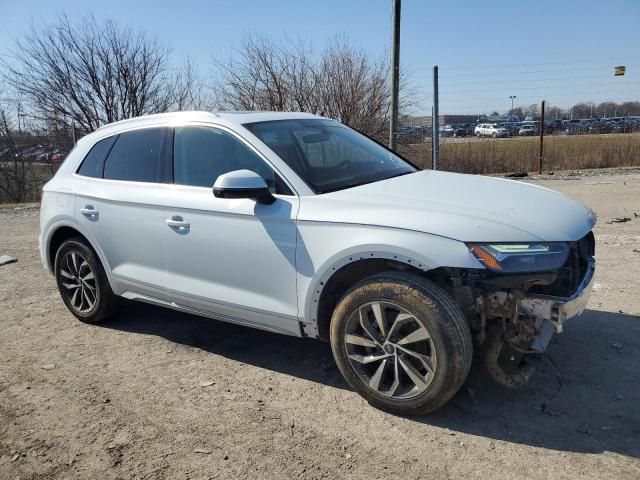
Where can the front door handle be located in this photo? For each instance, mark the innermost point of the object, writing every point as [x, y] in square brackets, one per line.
[177, 223]
[89, 211]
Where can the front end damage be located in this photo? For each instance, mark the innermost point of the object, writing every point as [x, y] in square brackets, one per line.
[514, 316]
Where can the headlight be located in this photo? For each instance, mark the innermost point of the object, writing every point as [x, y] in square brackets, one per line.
[519, 257]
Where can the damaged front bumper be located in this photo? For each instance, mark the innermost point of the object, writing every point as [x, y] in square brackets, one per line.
[518, 323]
[558, 310]
[513, 317]
[544, 314]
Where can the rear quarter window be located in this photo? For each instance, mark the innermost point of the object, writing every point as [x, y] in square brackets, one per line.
[93, 162]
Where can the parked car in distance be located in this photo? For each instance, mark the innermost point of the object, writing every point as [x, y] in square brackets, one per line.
[296, 224]
[621, 126]
[576, 128]
[490, 130]
[527, 130]
[453, 131]
[447, 131]
[511, 127]
[459, 130]
[469, 129]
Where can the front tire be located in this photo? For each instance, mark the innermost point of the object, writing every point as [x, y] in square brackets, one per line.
[82, 282]
[401, 342]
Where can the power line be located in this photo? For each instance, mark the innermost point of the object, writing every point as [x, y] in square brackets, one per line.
[525, 98]
[453, 92]
[505, 65]
[525, 72]
[506, 106]
[536, 96]
[519, 81]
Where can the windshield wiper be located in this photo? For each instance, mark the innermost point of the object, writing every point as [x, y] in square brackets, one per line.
[398, 175]
[344, 187]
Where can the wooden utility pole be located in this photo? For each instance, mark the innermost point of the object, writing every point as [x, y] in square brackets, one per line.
[395, 75]
[541, 137]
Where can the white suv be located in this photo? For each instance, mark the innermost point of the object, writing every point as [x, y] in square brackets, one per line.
[490, 130]
[296, 224]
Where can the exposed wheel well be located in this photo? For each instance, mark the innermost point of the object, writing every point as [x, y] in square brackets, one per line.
[58, 238]
[349, 275]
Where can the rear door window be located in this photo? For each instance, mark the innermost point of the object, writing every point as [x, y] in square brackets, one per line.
[139, 156]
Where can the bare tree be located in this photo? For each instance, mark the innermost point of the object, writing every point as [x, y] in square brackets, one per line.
[13, 170]
[341, 82]
[355, 89]
[581, 110]
[630, 108]
[95, 73]
[517, 112]
[265, 74]
[532, 111]
[554, 113]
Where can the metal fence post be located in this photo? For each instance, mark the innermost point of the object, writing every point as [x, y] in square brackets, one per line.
[435, 122]
[541, 137]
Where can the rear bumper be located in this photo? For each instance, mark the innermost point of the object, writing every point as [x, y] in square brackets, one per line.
[558, 310]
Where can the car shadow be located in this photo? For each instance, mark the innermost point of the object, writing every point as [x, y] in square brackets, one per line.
[585, 396]
[303, 358]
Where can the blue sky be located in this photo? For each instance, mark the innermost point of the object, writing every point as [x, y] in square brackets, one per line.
[561, 51]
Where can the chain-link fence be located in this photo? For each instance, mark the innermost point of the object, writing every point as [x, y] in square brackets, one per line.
[491, 117]
[27, 162]
[482, 145]
[467, 145]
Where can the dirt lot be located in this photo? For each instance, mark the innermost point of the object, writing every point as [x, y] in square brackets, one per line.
[157, 394]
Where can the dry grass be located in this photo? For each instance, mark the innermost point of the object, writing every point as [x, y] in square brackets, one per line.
[522, 154]
[36, 175]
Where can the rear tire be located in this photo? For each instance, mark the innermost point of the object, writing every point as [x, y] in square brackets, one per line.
[82, 282]
[413, 361]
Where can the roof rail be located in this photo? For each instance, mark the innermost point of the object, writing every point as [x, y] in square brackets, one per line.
[151, 117]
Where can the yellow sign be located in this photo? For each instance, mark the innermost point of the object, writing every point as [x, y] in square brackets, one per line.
[619, 70]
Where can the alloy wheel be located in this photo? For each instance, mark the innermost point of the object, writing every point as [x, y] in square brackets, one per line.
[79, 282]
[390, 350]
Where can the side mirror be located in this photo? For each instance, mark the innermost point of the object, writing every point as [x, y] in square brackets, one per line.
[243, 184]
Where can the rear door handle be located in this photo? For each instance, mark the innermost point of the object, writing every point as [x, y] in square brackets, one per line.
[89, 211]
[177, 223]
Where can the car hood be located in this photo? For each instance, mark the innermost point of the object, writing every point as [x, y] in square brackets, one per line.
[469, 208]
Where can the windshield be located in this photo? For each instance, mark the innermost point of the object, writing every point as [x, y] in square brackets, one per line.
[327, 155]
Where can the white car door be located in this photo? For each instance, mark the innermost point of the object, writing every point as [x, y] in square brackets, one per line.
[118, 207]
[234, 258]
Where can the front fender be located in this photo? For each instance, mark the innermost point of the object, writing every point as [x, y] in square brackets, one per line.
[325, 248]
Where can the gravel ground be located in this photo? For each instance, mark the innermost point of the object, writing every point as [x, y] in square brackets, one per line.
[158, 394]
